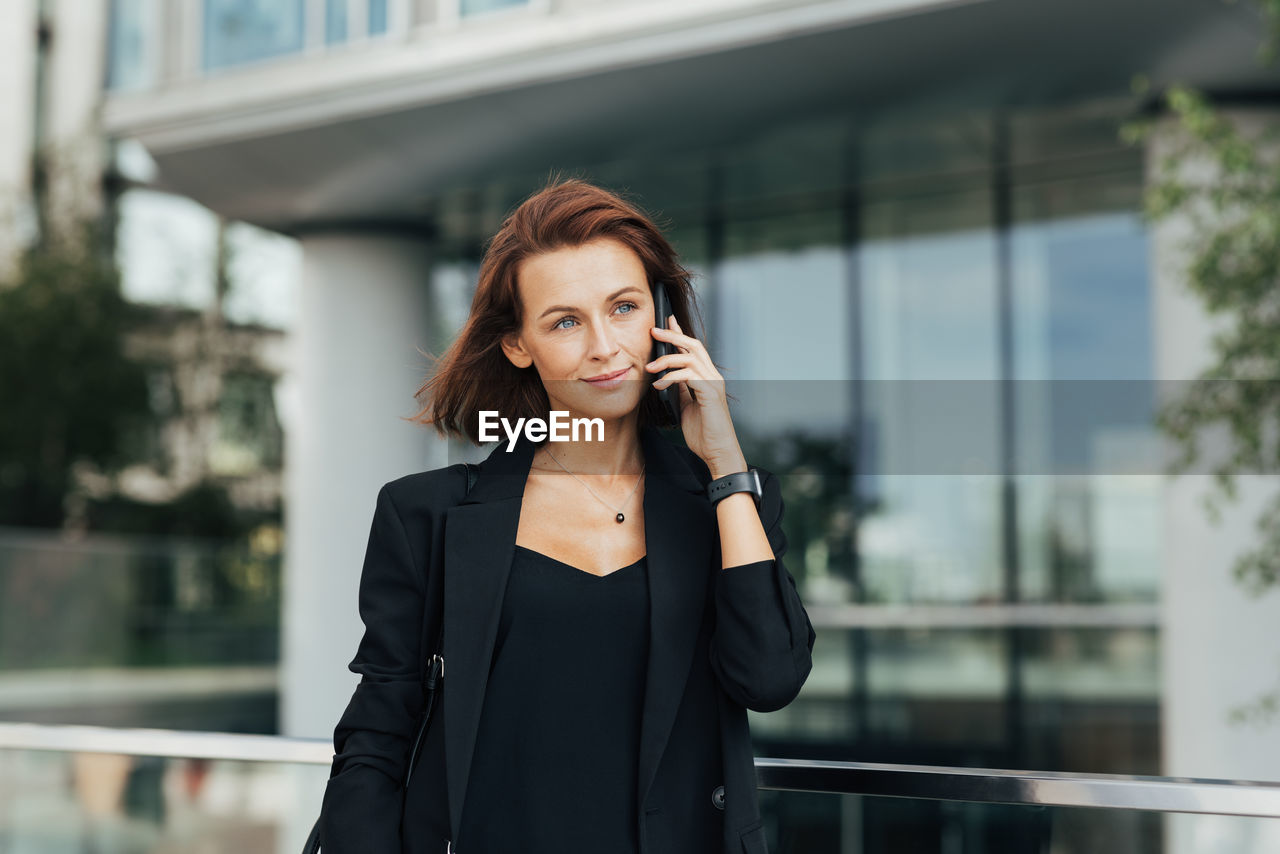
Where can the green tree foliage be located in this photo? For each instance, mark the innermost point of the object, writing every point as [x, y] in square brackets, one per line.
[1224, 181]
[68, 389]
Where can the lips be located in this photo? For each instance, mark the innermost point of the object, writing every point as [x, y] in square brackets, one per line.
[606, 377]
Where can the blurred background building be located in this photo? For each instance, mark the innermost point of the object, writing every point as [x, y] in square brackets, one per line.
[932, 201]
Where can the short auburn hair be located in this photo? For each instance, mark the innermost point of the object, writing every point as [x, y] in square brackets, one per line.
[474, 373]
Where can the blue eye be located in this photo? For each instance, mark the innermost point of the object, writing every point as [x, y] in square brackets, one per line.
[562, 320]
[634, 307]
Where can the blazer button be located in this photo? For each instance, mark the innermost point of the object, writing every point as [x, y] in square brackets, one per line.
[717, 797]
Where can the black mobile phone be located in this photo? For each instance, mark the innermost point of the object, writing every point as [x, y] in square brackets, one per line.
[669, 397]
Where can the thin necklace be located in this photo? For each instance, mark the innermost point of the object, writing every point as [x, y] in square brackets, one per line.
[620, 518]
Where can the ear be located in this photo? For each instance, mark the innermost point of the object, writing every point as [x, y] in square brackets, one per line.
[514, 349]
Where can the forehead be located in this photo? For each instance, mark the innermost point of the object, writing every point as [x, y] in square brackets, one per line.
[596, 268]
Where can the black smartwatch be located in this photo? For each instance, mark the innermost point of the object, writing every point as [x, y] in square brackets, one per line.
[739, 481]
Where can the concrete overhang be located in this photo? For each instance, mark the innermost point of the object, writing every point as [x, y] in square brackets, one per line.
[374, 131]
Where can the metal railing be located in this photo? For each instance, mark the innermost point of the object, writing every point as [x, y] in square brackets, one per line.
[978, 785]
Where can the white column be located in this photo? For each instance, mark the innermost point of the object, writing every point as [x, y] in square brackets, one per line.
[17, 117]
[75, 82]
[363, 312]
[1220, 647]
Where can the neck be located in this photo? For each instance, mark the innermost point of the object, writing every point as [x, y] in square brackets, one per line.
[619, 454]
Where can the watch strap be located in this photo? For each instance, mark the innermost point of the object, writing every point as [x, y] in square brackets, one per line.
[739, 481]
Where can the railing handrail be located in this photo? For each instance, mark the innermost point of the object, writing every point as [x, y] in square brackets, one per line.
[174, 744]
[1030, 788]
[1032, 615]
[929, 782]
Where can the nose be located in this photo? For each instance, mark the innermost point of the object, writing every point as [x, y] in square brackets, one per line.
[604, 342]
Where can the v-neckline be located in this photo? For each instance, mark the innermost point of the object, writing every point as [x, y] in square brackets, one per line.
[579, 570]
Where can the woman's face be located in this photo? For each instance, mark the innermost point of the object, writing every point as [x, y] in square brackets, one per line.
[587, 313]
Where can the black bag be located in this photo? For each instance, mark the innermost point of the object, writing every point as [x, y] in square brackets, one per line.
[430, 682]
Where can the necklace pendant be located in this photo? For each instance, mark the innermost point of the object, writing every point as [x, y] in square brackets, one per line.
[619, 518]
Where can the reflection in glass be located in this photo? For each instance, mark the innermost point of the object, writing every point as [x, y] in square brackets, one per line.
[249, 437]
[883, 297]
[377, 17]
[335, 21]
[929, 314]
[167, 248]
[1087, 455]
[840, 824]
[942, 695]
[781, 309]
[74, 802]
[133, 47]
[140, 601]
[242, 31]
[797, 379]
[262, 270]
[475, 7]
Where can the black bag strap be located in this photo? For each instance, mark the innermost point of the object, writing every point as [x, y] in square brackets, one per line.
[433, 669]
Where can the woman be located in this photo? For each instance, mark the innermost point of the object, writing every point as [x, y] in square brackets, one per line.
[606, 623]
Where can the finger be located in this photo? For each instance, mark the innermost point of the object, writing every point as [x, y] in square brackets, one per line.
[677, 338]
[670, 360]
[676, 324]
[682, 375]
[686, 376]
[682, 359]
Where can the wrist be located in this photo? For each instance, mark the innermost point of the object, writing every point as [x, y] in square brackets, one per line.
[720, 468]
[722, 488]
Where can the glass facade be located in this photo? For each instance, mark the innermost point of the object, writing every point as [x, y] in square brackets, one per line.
[242, 32]
[949, 296]
[336, 29]
[136, 602]
[377, 17]
[167, 249]
[140, 630]
[828, 824]
[132, 45]
[335, 21]
[72, 802]
[476, 7]
[249, 435]
[237, 32]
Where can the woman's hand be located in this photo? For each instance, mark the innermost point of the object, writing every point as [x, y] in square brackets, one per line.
[704, 407]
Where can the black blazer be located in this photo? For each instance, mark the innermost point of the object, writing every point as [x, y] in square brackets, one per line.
[721, 641]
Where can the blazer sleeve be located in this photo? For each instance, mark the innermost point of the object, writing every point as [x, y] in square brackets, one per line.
[361, 810]
[762, 645]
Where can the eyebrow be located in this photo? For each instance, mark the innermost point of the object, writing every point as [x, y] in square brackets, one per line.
[610, 297]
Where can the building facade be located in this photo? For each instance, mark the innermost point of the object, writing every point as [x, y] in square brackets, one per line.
[157, 624]
[932, 199]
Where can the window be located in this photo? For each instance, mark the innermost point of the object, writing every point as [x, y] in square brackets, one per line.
[132, 45]
[475, 7]
[242, 31]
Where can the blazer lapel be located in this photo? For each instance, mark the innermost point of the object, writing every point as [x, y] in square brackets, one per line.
[480, 535]
[678, 531]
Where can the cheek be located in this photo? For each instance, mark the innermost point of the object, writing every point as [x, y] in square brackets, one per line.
[642, 342]
[559, 360]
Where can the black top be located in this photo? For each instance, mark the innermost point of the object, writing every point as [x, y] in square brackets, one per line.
[556, 753]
